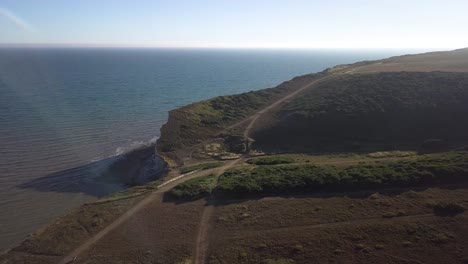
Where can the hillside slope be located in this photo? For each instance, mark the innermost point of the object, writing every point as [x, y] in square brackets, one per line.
[384, 110]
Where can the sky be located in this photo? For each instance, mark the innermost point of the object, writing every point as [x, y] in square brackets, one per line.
[334, 24]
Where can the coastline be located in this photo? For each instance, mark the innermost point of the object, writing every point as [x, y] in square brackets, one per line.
[129, 166]
[88, 183]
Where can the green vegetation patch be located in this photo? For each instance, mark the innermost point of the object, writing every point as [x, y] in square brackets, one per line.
[194, 188]
[225, 109]
[432, 169]
[204, 166]
[273, 160]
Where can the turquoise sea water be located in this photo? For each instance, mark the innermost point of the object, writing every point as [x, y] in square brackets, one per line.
[61, 110]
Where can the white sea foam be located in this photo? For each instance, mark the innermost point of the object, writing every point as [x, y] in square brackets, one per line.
[135, 145]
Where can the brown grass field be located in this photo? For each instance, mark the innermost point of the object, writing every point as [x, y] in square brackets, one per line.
[389, 226]
[376, 228]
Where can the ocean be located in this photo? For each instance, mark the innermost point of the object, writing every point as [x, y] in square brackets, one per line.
[65, 114]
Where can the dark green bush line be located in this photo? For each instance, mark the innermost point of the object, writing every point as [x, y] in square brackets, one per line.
[442, 169]
[271, 160]
[194, 188]
[204, 166]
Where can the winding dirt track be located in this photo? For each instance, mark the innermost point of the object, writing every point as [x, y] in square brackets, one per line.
[201, 245]
[280, 101]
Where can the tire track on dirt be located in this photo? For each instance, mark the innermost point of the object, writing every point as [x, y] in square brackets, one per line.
[202, 241]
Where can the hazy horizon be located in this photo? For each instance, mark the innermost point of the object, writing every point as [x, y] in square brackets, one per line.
[110, 46]
[298, 24]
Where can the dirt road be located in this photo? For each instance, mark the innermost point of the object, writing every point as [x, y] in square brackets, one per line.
[278, 102]
[201, 246]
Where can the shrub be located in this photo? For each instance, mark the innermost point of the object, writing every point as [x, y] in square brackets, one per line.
[338, 251]
[406, 243]
[389, 215]
[279, 261]
[379, 246]
[440, 238]
[359, 246]
[194, 188]
[448, 209]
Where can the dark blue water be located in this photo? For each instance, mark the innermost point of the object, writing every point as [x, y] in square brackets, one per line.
[62, 109]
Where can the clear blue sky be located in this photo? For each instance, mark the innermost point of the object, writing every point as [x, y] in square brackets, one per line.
[428, 24]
